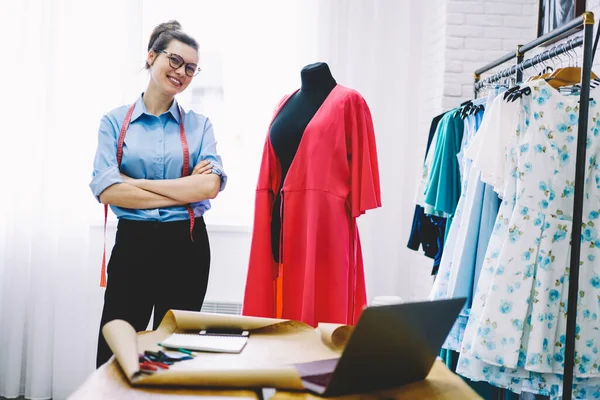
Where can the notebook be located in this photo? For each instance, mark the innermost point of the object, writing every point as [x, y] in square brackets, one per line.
[206, 342]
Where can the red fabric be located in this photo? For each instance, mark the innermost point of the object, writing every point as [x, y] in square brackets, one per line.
[333, 179]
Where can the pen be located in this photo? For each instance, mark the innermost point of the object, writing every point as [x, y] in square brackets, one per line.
[184, 351]
[149, 360]
[147, 366]
[158, 364]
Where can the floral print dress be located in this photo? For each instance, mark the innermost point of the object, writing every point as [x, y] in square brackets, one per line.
[515, 336]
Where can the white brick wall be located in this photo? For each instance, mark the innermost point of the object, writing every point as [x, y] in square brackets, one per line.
[434, 43]
[485, 30]
[490, 29]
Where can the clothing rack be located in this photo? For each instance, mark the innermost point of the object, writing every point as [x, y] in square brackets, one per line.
[517, 70]
[585, 22]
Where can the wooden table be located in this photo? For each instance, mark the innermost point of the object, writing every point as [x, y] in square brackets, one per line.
[108, 382]
[440, 384]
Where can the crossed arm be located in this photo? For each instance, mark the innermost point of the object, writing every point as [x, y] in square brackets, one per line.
[202, 184]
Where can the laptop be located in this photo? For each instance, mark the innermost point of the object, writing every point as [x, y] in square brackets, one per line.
[390, 346]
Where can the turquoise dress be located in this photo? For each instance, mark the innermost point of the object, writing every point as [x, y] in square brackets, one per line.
[442, 190]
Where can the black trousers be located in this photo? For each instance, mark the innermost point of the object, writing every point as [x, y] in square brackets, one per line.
[154, 264]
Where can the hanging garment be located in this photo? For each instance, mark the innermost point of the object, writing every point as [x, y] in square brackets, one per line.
[470, 236]
[439, 224]
[442, 190]
[425, 233]
[439, 187]
[459, 251]
[470, 232]
[440, 287]
[333, 179]
[428, 231]
[515, 336]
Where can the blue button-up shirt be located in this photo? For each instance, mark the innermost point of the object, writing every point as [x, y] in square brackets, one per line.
[152, 150]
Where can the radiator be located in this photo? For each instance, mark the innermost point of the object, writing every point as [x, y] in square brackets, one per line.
[222, 308]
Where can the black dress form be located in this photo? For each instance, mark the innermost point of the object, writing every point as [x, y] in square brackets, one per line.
[289, 125]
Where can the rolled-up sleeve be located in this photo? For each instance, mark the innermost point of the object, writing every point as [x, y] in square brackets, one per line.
[106, 171]
[208, 151]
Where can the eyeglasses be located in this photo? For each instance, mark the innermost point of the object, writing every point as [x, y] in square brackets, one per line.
[176, 61]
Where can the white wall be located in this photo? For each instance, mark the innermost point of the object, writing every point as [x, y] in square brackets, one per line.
[429, 52]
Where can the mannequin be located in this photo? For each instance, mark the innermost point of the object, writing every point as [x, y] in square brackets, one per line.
[319, 162]
[289, 125]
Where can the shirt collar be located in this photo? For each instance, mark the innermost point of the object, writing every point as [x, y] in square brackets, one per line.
[140, 108]
[174, 110]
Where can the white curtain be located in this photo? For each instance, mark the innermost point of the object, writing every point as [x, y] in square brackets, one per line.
[373, 47]
[63, 65]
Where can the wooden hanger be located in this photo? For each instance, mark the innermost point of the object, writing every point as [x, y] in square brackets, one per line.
[567, 76]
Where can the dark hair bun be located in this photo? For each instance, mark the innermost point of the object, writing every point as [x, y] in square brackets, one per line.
[172, 25]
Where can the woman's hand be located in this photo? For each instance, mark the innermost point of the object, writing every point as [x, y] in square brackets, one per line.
[203, 167]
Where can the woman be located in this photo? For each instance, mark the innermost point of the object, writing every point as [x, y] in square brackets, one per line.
[161, 256]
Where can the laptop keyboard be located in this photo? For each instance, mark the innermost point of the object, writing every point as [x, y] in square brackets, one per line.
[321, 379]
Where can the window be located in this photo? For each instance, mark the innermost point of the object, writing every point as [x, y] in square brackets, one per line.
[251, 54]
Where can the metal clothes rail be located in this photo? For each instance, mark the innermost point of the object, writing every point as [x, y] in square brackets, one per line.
[585, 22]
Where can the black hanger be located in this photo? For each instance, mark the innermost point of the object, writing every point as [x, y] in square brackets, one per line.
[462, 107]
[516, 94]
[519, 93]
[510, 91]
[474, 109]
[477, 109]
[466, 109]
[510, 96]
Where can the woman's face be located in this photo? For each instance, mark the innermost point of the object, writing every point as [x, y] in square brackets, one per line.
[169, 80]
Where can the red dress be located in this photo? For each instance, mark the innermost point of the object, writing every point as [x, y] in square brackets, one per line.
[333, 179]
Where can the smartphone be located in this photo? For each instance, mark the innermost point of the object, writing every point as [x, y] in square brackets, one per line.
[224, 332]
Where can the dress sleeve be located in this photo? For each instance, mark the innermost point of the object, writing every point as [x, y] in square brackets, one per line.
[426, 170]
[362, 155]
[259, 291]
[443, 188]
[414, 239]
[106, 170]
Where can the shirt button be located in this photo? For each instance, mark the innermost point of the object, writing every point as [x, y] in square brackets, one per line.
[159, 140]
